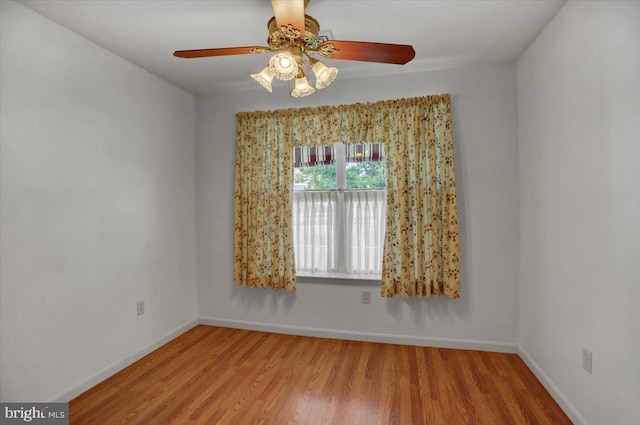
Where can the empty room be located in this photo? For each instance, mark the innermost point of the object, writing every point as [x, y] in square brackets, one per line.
[320, 212]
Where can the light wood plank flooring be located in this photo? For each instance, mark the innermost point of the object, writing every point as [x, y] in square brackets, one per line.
[212, 376]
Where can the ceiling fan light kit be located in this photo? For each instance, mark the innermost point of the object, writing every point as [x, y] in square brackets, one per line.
[284, 65]
[293, 36]
[324, 74]
[264, 78]
[300, 87]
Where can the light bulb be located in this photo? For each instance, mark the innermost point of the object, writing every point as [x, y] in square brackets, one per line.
[283, 66]
[285, 63]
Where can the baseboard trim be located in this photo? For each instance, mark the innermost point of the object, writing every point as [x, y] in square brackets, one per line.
[555, 392]
[76, 390]
[463, 344]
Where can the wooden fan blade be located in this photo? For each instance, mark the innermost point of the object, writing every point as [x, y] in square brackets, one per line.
[289, 12]
[225, 51]
[371, 52]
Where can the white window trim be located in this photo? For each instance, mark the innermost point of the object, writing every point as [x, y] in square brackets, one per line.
[339, 276]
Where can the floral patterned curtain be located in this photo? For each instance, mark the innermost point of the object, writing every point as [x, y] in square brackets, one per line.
[263, 251]
[421, 254]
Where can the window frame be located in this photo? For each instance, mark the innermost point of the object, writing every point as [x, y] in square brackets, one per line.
[340, 162]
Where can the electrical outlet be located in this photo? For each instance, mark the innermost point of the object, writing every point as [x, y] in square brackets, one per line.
[366, 296]
[586, 360]
[140, 307]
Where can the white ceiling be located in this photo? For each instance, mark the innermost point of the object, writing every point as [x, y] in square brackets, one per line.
[443, 33]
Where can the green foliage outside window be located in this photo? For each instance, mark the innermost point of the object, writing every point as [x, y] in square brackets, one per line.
[318, 177]
[366, 175]
[361, 175]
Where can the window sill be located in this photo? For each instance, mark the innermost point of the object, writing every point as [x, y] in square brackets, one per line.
[352, 278]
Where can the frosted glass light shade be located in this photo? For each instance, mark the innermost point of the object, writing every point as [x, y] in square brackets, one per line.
[300, 87]
[264, 78]
[283, 66]
[324, 74]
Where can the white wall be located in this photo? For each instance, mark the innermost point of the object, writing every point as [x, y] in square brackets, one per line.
[97, 211]
[579, 142]
[484, 120]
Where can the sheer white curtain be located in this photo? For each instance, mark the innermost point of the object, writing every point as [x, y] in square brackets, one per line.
[365, 220]
[314, 230]
[330, 223]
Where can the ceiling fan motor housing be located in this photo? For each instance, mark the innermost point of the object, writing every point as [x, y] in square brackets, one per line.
[281, 37]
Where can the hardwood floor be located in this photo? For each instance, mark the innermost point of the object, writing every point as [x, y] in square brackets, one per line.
[212, 375]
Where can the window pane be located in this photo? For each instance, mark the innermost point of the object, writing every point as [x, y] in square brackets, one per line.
[330, 224]
[366, 175]
[316, 177]
[365, 152]
[365, 220]
[314, 230]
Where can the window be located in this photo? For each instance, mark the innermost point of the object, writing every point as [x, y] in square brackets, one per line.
[339, 209]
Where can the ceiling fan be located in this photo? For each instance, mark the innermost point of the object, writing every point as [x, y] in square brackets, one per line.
[293, 35]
